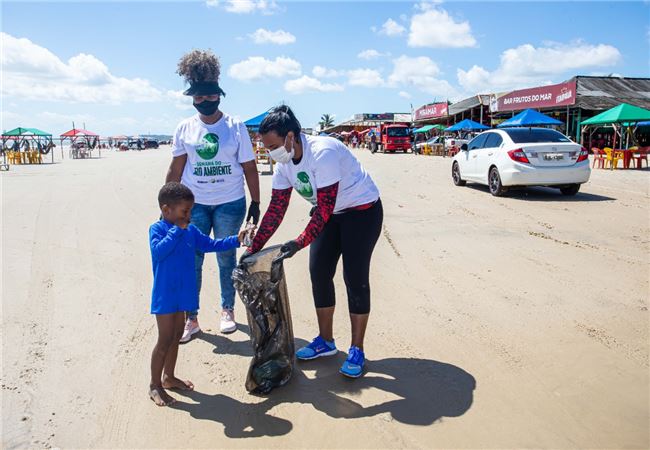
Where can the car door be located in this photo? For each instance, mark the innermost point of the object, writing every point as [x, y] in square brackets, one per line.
[468, 170]
[487, 155]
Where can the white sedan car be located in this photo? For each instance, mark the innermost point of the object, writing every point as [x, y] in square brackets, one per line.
[511, 157]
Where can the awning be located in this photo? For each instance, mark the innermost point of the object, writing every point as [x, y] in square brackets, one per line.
[254, 123]
[78, 132]
[529, 118]
[25, 132]
[467, 125]
[424, 129]
[622, 113]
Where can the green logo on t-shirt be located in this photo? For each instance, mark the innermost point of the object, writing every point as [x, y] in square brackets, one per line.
[303, 185]
[209, 146]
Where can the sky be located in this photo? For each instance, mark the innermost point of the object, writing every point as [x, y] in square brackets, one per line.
[111, 65]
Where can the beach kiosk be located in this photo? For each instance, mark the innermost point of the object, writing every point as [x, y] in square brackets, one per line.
[25, 146]
[82, 143]
[261, 154]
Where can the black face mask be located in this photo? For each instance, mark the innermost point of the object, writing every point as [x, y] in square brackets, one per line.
[207, 107]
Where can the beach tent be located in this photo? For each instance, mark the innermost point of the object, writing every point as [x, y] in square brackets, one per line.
[621, 116]
[77, 135]
[30, 138]
[529, 118]
[423, 129]
[467, 125]
[254, 123]
[426, 128]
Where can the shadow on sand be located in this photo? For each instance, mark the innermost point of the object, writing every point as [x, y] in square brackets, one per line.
[543, 194]
[427, 390]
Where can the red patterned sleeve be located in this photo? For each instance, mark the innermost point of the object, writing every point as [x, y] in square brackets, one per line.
[272, 218]
[325, 202]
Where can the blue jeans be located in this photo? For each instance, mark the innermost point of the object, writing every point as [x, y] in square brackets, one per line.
[226, 220]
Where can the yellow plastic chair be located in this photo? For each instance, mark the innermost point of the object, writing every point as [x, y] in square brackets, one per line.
[612, 157]
[15, 158]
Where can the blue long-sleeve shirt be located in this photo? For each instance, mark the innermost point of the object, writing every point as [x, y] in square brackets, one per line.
[173, 250]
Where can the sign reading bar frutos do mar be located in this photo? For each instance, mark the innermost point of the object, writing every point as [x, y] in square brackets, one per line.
[563, 94]
[431, 111]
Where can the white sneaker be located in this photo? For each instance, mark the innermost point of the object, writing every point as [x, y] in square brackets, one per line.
[228, 324]
[191, 328]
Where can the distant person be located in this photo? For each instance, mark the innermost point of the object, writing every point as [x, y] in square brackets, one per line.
[346, 223]
[213, 155]
[174, 243]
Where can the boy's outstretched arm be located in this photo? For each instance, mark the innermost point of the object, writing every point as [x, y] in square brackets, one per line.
[163, 243]
[206, 244]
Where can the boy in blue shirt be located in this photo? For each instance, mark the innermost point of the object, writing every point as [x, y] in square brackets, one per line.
[174, 243]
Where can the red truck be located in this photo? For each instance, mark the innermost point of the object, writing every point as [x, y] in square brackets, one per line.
[395, 136]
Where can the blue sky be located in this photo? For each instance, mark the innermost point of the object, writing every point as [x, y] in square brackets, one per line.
[112, 64]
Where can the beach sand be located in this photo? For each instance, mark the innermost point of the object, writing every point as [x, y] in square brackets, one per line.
[516, 322]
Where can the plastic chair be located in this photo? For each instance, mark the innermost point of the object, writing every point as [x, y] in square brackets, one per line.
[612, 157]
[599, 159]
[639, 156]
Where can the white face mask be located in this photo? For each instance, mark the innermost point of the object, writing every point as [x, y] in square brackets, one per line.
[281, 155]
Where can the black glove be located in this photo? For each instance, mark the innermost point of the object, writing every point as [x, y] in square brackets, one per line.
[287, 250]
[312, 211]
[254, 212]
[245, 255]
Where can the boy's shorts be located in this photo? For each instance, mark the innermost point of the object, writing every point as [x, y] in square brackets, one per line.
[170, 306]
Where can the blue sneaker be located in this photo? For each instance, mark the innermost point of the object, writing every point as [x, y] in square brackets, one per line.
[353, 366]
[318, 347]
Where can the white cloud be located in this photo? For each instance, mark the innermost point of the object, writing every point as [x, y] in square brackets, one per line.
[280, 37]
[527, 65]
[422, 73]
[404, 94]
[324, 72]
[427, 5]
[182, 102]
[435, 28]
[306, 84]
[33, 72]
[365, 78]
[392, 28]
[371, 53]
[246, 6]
[258, 67]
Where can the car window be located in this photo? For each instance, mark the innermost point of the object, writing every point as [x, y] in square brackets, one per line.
[493, 140]
[530, 135]
[477, 142]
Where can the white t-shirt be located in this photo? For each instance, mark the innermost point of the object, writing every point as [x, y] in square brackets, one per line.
[214, 156]
[324, 162]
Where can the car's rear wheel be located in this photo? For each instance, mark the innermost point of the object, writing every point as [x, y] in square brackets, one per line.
[455, 175]
[494, 179]
[570, 190]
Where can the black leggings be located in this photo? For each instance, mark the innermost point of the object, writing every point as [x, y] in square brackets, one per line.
[352, 234]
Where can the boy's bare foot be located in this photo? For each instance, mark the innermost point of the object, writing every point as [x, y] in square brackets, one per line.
[175, 383]
[160, 397]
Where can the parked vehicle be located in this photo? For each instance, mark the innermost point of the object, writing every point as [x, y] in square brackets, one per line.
[395, 137]
[434, 140]
[150, 144]
[511, 157]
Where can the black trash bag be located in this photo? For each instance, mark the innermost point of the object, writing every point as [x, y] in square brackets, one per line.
[262, 287]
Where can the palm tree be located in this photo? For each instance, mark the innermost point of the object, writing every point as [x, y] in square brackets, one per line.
[326, 121]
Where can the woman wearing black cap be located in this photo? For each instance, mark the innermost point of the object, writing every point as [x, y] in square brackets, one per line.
[213, 155]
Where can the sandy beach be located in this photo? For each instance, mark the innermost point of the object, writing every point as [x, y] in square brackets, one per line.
[516, 322]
